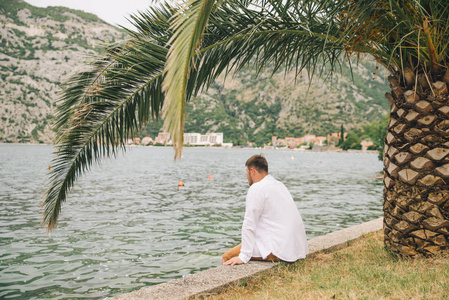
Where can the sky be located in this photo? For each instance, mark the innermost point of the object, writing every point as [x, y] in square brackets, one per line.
[112, 11]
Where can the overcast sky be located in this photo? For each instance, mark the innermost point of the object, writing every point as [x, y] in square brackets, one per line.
[112, 11]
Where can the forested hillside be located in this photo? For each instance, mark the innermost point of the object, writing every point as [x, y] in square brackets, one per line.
[249, 108]
[41, 47]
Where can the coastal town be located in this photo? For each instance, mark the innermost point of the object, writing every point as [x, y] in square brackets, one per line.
[308, 141]
[192, 139]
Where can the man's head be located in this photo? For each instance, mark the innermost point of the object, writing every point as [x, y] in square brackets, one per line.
[256, 168]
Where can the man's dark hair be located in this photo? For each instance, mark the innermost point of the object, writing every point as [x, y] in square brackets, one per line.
[257, 162]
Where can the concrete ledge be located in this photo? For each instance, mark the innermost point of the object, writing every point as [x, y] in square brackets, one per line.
[341, 238]
[212, 281]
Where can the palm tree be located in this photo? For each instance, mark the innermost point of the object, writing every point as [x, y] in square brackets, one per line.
[177, 52]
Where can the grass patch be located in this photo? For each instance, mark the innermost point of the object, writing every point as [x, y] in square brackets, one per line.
[363, 270]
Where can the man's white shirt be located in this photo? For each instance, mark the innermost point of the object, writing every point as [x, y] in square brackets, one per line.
[272, 223]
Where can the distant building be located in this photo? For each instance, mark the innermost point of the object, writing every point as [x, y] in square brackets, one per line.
[208, 139]
[147, 141]
[366, 144]
[136, 141]
[280, 143]
[292, 142]
[129, 142]
[309, 138]
[192, 138]
[320, 140]
[336, 135]
[163, 138]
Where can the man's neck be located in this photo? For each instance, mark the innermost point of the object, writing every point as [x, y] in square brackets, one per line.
[259, 176]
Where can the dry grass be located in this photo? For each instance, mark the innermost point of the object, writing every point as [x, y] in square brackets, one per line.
[363, 270]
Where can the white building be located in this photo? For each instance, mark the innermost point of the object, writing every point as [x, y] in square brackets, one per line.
[208, 139]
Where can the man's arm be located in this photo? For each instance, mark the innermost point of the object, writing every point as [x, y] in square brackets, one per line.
[254, 208]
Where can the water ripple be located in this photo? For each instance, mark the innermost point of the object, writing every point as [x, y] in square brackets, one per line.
[127, 224]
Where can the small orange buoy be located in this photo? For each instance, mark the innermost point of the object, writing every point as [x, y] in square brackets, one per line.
[180, 183]
[210, 176]
[49, 168]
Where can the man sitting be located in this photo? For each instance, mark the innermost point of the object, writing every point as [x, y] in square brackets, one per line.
[272, 228]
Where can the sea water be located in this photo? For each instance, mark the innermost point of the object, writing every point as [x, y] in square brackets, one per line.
[126, 224]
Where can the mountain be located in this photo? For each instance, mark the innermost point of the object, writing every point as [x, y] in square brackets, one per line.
[249, 108]
[40, 47]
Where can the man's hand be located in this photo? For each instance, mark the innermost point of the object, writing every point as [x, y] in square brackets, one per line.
[233, 261]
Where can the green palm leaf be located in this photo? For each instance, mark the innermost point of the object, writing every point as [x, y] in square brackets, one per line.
[102, 107]
[188, 26]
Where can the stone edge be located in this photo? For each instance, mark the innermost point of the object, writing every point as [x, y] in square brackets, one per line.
[214, 280]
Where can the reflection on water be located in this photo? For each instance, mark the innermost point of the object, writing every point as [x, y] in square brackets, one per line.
[127, 224]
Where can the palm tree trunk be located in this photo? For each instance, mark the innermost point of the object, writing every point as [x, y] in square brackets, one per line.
[416, 173]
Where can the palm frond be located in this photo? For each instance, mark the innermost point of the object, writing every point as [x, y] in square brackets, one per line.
[188, 26]
[399, 34]
[102, 107]
[238, 36]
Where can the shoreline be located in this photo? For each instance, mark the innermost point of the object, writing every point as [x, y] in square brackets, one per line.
[218, 147]
[215, 280]
[365, 269]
